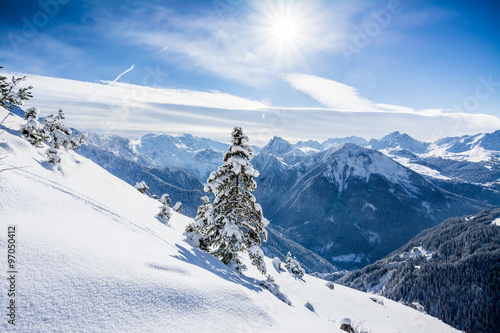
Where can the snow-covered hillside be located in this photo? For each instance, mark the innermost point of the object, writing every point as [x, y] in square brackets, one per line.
[92, 257]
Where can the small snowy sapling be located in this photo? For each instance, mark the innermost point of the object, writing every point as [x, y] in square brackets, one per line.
[198, 231]
[273, 287]
[178, 207]
[142, 187]
[32, 130]
[294, 266]
[165, 213]
[53, 155]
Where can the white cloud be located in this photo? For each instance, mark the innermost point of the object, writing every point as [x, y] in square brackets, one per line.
[331, 94]
[132, 111]
[397, 108]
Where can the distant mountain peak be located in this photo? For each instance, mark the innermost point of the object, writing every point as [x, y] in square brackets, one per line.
[310, 144]
[339, 141]
[277, 146]
[398, 140]
[350, 160]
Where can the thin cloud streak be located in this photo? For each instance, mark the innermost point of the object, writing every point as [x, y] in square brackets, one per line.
[119, 76]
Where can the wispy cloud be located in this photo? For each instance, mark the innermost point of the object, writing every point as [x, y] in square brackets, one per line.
[396, 108]
[332, 94]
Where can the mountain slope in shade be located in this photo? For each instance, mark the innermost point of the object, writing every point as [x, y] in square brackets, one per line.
[452, 270]
[352, 205]
[93, 258]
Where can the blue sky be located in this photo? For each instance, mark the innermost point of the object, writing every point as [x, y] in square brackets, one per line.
[393, 60]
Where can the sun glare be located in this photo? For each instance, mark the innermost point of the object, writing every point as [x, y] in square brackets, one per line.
[285, 29]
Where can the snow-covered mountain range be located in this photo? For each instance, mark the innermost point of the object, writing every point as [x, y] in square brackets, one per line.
[342, 199]
[92, 257]
[353, 205]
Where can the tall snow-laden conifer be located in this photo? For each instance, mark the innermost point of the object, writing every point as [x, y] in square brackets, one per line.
[238, 222]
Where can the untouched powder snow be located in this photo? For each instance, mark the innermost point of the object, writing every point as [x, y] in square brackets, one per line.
[92, 257]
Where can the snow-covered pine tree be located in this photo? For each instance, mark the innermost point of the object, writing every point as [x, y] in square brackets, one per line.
[197, 232]
[32, 130]
[238, 220]
[9, 97]
[53, 155]
[166, 198]
[178, 207]
[142, 187]
[53, 132]
[294, 266]
[165, 213]
[58, 135]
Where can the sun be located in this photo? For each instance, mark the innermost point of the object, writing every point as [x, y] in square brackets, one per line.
[285, 30]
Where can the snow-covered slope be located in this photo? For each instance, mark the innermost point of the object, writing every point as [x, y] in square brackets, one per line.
[92, 257]
[469, 159]
[472, 148]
